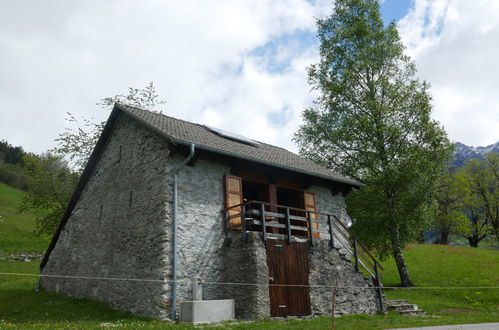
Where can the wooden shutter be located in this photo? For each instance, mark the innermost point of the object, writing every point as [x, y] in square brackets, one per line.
[310, 205]
[233, 196]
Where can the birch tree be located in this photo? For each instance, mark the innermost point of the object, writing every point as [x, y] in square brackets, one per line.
[371, 121]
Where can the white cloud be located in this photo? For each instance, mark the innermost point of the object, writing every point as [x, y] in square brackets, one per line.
[64, 56]
[238, 65]
[454, 44]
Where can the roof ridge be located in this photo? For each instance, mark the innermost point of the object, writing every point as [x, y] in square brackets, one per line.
[280, 157]
[161, 114]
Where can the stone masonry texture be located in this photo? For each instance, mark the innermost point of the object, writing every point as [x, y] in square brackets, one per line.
[200, 228]
[327, 265]
[118, 229]
[246, 262]
[121, 228]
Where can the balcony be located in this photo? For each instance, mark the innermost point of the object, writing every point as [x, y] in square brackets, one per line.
[299, 224]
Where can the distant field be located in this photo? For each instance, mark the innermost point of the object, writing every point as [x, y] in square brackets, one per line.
[430, 266]
[16, 230]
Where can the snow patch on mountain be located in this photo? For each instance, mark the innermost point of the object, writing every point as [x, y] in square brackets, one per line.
[463, 152]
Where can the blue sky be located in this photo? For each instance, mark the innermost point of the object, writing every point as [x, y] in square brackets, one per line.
[393, 10]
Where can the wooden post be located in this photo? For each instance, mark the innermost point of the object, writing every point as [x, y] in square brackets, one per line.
[288, 225]
[356, 256]
[227, 228]
[310, 232]
[264, 224]
[331, 234]
[333, 307]
[243, 219]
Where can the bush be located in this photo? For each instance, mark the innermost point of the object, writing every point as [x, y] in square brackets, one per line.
[12, 175]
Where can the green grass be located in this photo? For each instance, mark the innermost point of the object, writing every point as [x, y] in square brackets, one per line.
[449, 266]
[430, 265]
[16, 230]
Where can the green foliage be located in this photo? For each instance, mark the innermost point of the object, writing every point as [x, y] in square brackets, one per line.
[480, 196]
[450, 217]
[76, 145]
[371, 121]
[13, 175]
[10, 154]
[16, 230]
[49, 186]
[144, 98]
[11, 165]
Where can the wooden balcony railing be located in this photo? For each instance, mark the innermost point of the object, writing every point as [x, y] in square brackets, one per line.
[270, 218]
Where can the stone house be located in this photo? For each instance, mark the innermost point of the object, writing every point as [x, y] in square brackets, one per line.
[162, 201]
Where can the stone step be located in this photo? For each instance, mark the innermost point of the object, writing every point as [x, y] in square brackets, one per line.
[403, 307]
[419, 312]
[396, 301]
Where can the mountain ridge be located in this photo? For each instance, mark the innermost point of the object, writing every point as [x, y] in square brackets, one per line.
[463, 152]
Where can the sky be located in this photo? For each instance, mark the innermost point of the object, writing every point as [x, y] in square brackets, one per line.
[236, 65]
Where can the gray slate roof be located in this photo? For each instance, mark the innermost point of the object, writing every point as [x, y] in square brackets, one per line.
[183, 132]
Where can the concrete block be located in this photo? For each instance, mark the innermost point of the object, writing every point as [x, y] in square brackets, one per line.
[206, 311]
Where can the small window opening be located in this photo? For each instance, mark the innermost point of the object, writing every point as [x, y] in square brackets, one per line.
[293, 198]
[258, 192]
[253, 191]
[130, 200]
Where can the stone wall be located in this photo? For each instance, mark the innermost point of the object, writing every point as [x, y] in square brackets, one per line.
[327, 266]
[246, 262]
[118, 227]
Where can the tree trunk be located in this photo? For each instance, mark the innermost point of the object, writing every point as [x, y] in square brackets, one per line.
[405, 279]
[474, 240]
[444, 237]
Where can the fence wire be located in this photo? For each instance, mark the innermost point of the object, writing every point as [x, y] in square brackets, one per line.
[213, 283]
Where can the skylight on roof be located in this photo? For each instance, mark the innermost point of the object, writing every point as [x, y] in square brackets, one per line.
[233, 136]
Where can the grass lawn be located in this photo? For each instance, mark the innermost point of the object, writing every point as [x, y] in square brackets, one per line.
[16, 230]
[430, 265]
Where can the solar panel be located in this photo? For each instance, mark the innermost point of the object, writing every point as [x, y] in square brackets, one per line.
[233, 136]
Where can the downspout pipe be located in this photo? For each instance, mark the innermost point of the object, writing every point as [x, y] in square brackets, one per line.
[174, 230]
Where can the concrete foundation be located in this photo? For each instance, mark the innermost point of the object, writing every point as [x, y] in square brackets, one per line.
[207, 311]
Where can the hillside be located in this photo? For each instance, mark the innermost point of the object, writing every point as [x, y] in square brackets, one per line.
[16, 230]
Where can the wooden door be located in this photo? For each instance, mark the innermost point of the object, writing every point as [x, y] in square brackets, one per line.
[288, 265]
[297, 272]
[276, 257]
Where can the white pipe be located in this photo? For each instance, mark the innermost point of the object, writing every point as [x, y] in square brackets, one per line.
[174, 230]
